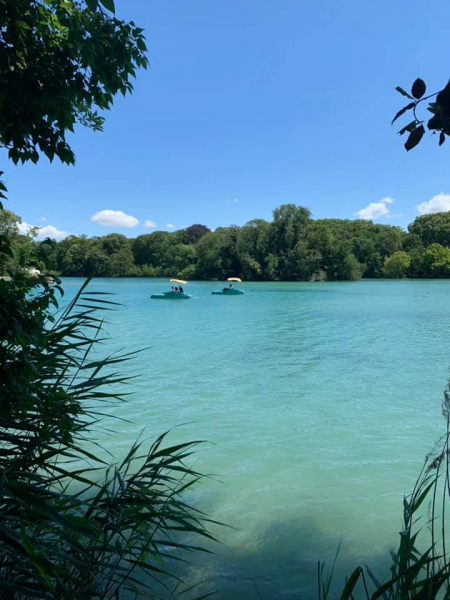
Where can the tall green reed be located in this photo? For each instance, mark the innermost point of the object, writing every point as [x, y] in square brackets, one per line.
[71, 525]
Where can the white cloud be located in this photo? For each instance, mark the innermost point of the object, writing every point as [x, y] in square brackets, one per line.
[438, 203]
[43, 219]
[375, 210]
[24, 228]
[234, 201]
[43, 232]
[114, 218]
[170, 225]
[150, 224]
[51, 232]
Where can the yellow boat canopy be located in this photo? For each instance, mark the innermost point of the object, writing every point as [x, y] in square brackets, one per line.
[234, 279]
[178, 281]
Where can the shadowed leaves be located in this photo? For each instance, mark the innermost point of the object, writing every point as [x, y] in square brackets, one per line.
[440, 109]
[62, 61]
[70, 525]
[414, 137]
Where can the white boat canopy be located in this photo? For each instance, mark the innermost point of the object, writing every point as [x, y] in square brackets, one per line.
[178, 281]
[234, 279]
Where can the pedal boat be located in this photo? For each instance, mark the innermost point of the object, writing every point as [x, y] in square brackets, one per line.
[172, 294]
[229, 291]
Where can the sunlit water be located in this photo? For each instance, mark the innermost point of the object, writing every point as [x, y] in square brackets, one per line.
[321, 401]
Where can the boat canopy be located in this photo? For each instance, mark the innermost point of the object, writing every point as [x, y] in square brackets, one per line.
[178, 281]
[234, 279]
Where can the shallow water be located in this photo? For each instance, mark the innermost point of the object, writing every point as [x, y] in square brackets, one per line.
[321, 400]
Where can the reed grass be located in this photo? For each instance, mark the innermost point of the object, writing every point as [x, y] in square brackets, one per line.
[73, 526]
[420, 568]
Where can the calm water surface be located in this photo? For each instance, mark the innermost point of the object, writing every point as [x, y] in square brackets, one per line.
[321, 400]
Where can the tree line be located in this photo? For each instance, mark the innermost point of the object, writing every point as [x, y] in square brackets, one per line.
[292, 247]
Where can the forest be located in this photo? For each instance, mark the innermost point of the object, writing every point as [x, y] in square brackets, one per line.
[292, 247]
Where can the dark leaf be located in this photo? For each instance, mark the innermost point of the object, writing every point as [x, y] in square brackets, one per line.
[403, 93]
[141, 45]
[414, 138]
[15, 589]
[92, 4]
[410, 127]
[441, 138]
[109, 5]
[375, 581]
[403, 110]
[436, 122]
[351, 583]
[443, 101]
[418, 88]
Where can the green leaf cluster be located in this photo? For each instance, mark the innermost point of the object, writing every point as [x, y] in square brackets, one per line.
[61, 63]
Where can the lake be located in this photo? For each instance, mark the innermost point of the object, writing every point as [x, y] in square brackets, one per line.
[321, 401]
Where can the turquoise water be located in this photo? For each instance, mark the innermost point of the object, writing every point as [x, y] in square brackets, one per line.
[321, 401]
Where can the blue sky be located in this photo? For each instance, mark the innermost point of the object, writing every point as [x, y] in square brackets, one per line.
[250, 104]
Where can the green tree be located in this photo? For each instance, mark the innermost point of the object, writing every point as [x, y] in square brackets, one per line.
[303, 262]
[412, 241]
[24, 252]
[96, 259]
[289, 227]
[152, 249]
[73, 254]
[114, 243]
[229, 256]
[333, 249]
[365, 247]
[369, 243]
[388, 240]
[183, 260]
[119, 257]
[416, 263]
[290, 224]
[195, 232]
[252, 246]
[397, 265]
[89, 531]
[436, 261]
[9, 223]
[108, 256]
[209, 257]
[343, 265]
[48, 252]
[434, 228]
[60, 61]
